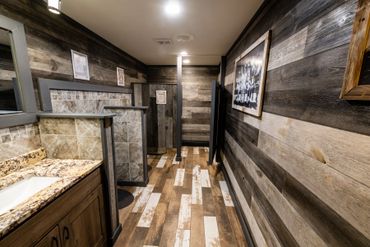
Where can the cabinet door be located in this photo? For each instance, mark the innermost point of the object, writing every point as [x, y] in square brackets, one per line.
[85, 224]
[51, 239]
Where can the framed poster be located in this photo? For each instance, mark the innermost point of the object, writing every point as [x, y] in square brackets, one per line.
[80, 65]
[250, 76]
[356, 85]
[120, 77]
[161, 97]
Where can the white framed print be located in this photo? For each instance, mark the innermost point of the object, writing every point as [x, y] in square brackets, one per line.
[80, 65]
[161, 97]
[120, 77]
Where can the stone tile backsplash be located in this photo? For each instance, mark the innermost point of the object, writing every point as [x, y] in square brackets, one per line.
[18, 140]
[71, 138]
[86, 102]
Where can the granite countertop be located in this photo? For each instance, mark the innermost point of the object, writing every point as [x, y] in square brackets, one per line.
[69, 171]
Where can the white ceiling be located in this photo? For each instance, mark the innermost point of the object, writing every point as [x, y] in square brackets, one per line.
[132, 25]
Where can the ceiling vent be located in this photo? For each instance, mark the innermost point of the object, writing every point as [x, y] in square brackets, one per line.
[184, 37]
[163, 41]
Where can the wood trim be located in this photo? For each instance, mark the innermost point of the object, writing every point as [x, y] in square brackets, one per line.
[130, 183]
[213, 122]
[141, 108]
[196, 143]
[351, 89]
[110, 176]
[179, 109]
[25, 94]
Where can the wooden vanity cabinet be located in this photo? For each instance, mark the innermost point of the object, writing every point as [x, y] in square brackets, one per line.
[76, 218]
[52, 239]
[84, 225]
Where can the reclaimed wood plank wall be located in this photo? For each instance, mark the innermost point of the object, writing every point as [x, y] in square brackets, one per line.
[196, 106]
[301, 172]
[161, 119]
[50, 39]
[196, 97]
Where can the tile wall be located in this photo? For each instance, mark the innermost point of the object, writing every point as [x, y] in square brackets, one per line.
[18, 140]
[86, 102]
[128, 139]
[71, 138]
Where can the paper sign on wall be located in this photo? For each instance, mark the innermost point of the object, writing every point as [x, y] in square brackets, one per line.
[80, 65]
[120, 77]
[161, 97]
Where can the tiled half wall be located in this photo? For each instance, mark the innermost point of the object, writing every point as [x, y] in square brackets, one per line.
[69, 138]
[130, 142]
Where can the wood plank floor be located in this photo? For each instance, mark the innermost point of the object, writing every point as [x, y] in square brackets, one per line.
[185, 204]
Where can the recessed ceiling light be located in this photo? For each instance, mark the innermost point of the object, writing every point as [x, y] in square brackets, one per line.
[186, 61]
[54, 6]
[183, 53]
[172, 8]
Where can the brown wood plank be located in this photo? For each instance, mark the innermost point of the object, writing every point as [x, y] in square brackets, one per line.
[270, 168]
[227, 237]
[153, 235]
[235, 224]
[197, 226]
[165, 223]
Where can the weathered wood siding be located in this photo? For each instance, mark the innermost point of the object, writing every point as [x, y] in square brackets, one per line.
[302, 171]
[50, 39]
[196, 104]
[196, 97]
[161, 119]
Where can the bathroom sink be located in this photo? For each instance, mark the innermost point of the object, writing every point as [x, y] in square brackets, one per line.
[13, 195]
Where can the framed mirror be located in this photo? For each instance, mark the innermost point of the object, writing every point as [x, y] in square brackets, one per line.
[17, 96]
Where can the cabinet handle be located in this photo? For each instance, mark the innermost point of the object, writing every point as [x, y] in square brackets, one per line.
[54, 240]
[66, 233]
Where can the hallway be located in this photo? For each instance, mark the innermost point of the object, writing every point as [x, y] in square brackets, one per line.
[190, 197]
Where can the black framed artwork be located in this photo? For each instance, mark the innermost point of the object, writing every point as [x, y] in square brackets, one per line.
[250, 77]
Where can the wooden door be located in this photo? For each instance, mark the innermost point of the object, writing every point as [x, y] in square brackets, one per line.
[84, 225]
[52, 239]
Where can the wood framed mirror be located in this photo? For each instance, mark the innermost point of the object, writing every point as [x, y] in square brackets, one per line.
[356, 84]
[18, 100]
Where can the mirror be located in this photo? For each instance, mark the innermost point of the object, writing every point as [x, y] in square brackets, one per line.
[9, 102]
[17, 95]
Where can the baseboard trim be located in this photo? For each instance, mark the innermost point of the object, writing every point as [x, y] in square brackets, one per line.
[116, 234]
[129, 183]
[238, 208]
[195, 143]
